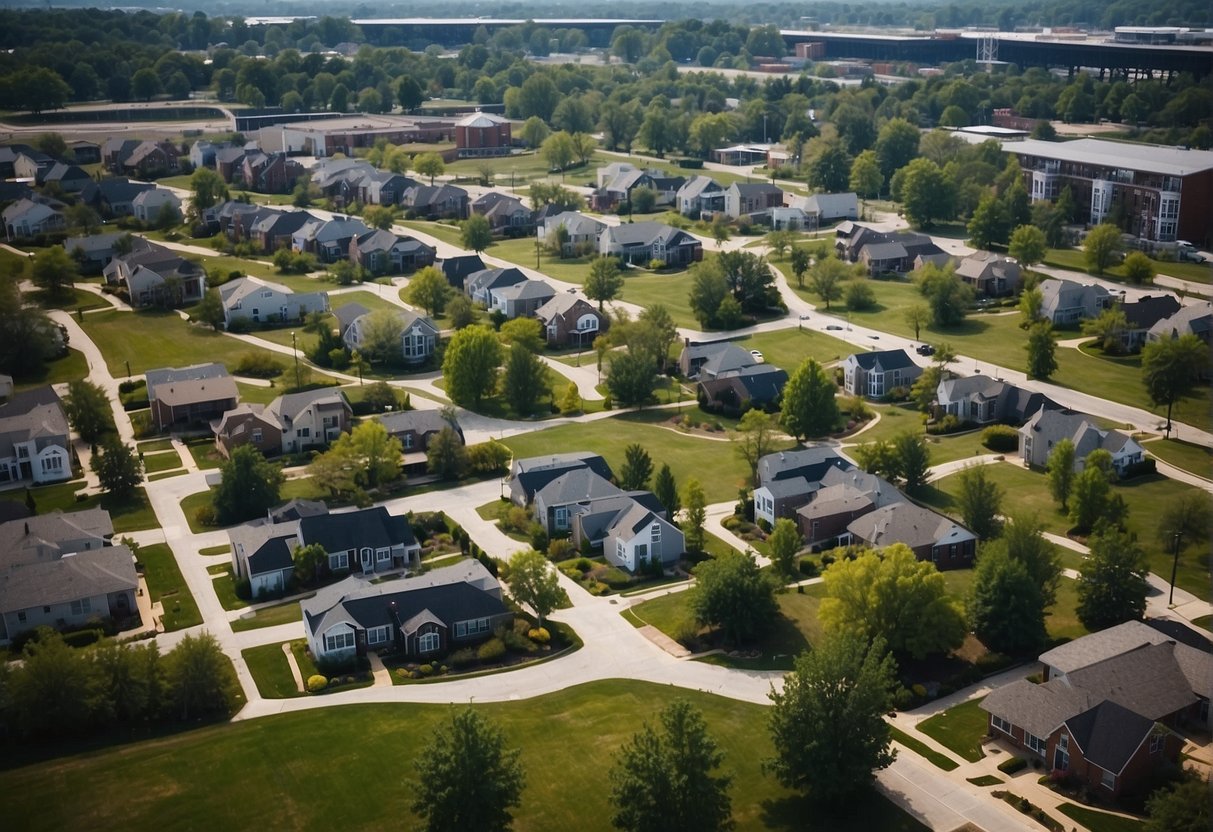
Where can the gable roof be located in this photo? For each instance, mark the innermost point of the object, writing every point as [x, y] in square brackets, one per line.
[459, 267]
[176, 375]
[369, 527]
[883, 361]
[1109, 734]
[29, 415]
[561, 304]
[525, 290]
[577, 485]
[417, 421]
[757, 383]
[810, 464]
[44, 536]
[346, 315]
[698, 185]
[904, 522]
[83, 575]
[288, 406]
[1195, 319]
[532, 473]
[647, 233]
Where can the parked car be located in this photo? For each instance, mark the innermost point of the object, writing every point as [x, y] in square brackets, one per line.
[757, 356]
[925, 349]
[833, 326]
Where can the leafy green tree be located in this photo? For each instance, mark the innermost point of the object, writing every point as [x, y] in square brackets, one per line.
[1091, 498]
[666, 491]
[534, 583]
[460, 311]
[1005, 607]
[827, 724]
[1180, 807]
[753, 439]
[826, 278]
[731, 593]
[784, 542]
[525, 331]
[475, 233]
[429, 289]
[828, 165]
[119, 471]
[145, 84]
[1028, 245]
[88, 410]
[378, 216]
[604, 281]
[860, 296]
[980, 501]
[1042, 351]
[431, 165]
[26, 342]
[56, 692]
[210, 310]
[866, 178]
[1138, 268]
[1101, 248]
[377, 455]
[896, 145]
[637, 468]
[917, 316]
[696, 515]
[200, 680]
[810, 408]
[989, 223]
[310, 562]
[534, 131]
[1024, 541]
[248, 487]
[470, 365]
[1170, 369]
[383, 336]
[1031, 302]
[467, 778]
[800, 264]
[1060, 467]
[1112, 583]
[912, 458]
[209, 190]
[54, 271]
[665, 781]
[927, 193]
[558, 151]
[1108, 329]
[631, 378]
[408, 93]
[1188, 516]
[524, 379]
[447, 457]
[948, 296]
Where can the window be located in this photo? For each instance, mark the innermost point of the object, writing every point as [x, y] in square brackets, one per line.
[1157, 743]
[655, 533]
[429, 642]
[471, 628]
[338, 641]
[383, 554]
[304, 432]
[1107, 780]
[1000, 723]
[562, 517]
[21, 616]
[408, 440]
[642, 552]
[52, 463]
[377, 635]
[1035, 743]
[620, 551]
[256, 434]
[341, 560]
[82, 606]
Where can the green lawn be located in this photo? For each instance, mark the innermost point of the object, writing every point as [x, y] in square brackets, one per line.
[225, 590]
[1061, 620]
[216, 550]
[165, 583]
[131, 515]
[153, 445]
[685, 454]
[923, 750]
[900, 418]
[959, 729]
[788, 348]
[1097, 821]
[270, 671]
[521, 251]
[985, 780]
[205, 455]
[1073, 259]
[442, 231]
[167, 461]
[1195, 459]
[673, 291]
[325, 769]
[71, 367]
[284, 613]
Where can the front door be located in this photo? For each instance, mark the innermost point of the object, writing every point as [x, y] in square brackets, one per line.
[368, 560]
[1061, 760]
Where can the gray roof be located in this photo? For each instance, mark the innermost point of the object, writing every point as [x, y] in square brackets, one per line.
[533, 473]
[601, 514]
[809, 463]
[31, 414]
[561, 304]
[883, 361]
[884, 251]
[1055, 425]
[45, 536]
[648, 233]
[349, 313]
[286, 407]
[83, 575]
[171, 375]
[94, 243]
[1104, 644]
[755, 188]
[697, 185]
[576, 486]
[575, 223]
[417, 421]
[369, 527]
[904, 522]
[1109, 734]
[1171, 161]
[486, 279]
[526, 290]
[265, 547]
[1148, 310]
[1196, 319]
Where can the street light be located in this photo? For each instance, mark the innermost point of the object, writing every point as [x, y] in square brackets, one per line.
[295, 350]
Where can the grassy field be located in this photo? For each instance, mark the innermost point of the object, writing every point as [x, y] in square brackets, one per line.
[897, 419]
[325, 769]
[270, 671]
[131, 515]
[166, 585]
[287, 612]
[1146, 497]
[1097, 821]
[684, 453]
[923, 750]
[158, 339]
[673, 291]
[71, 367]
[167, 461]
[225, 590]
[1195, 459]
[788, 348]
[959, 729]
[1072, 258]
[521, 251]
[442, 231]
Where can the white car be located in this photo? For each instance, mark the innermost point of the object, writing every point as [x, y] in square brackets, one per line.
[757, 356]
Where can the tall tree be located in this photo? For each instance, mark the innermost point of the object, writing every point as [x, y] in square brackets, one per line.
[248, 486]
[666, 491]
[210, 310]
[1109, 328]
[1042, 351]
[826, 278]
[946, 294]
[604, 281]
[383, 336]
[475, 233]
[1005, 607]
[827, 724]
[200, 679]
[1170, 369]
[429, 289]
[980, 501]
[1101, 248]
[429, 164]
[912, 458]
[800, 264]
[1180, 807]
[376, 454]
[88, 410]
[54, 271]
[447, 456]
[558, 151]
[467, 778]
[118, 469]
[534, 583]
[1112, 583]
[665, 781]
[631, 377]
[1024, 541]
[927, 193]
[696, 515]
[896, 145]
[810, 408]
[1090, 499]
[1028, 245]
[1138, 267]
[309, 562]
[637, 468]
[784, 542]
[1031, 302]
[917, 316]
[209, 190]
[753, 439]
[989, 223]
[866, 178]
[1060, 469]
[470, 365]
[524, 379]
[732, 593]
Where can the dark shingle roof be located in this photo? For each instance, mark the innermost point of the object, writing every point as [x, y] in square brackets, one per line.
[371, 527]
[886, 359]
[1108, 734]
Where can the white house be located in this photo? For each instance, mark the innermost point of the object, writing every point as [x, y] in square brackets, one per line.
[260, 301]
[417, 339]
[148, 204]
[26, 218]
[1066, 302]
[640, 536]
[34, 438]
[583, 231]
[1040, 435]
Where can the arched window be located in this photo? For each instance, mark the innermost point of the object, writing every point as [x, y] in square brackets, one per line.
[428, 643]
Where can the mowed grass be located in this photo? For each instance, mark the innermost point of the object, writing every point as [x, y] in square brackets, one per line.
[1195, 459]
[166, 585]
[713, 463]
[1097, 821]
[442, 231]
[673, 291]
[900, 418]
[287, 612]
[71, 367]
[923, 750]
[789, 348]
[1072, 258]
[521, 252]
[325, 768]
[158, 339]
[959, 729]
[270, 671]
[130, 515]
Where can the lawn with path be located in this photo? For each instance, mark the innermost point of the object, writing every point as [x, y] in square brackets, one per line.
[1075, 260]
[326, 766]
[71, 367]
[166, 585]
[1097, 821]
[959, 729]
[270, 670]
[287, 612]
[129, 515]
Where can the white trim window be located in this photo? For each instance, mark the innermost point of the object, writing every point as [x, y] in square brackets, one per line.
[378, 635]
[1035, 743]
[339, 560]
[471, 627]
[82, 606]
[429, 643]
[1001, 724]
[338, 641]
[382, 555]
[1107, 779]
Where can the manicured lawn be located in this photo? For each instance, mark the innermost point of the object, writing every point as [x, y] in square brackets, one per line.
[521, 251]
[900, 418]
[204, 452]
[154, 445]
[923, 750]
[442, 231]
[225, 590]
[165, 583]
[284, 613]
[1073, 258]
[256, 394]
[1097, 821]
[154, 463]
[1195, 459]
[959, 729]
[270, 671]
[216, 550]
[985, 780]
[71, 367]
[673, 291]
[1061, 620]
[685, 454]
[71, 300]
[130, 515]
[788, 348]
[326, 766]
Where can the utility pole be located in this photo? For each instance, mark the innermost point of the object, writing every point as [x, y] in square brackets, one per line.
[1174, 568]
[295, 350]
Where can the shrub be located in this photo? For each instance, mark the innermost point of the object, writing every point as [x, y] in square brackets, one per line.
[244, 589]
[560, 549]
[1012, 765]
[258, 365]
[1000, 438]
[462, 657]
[685, 631]
[491, 650]
[583, 564]
[572, 572]
[205, 516]
[808, 568]
[426, 669]
[316, 683]
[539, 538]
[607, 402]
[517, 642]
[539, 635]
[83, 638]
[732, 522]
[1140, 469]
[656, 265]
[616, 578]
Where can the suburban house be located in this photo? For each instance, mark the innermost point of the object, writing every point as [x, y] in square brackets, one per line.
[188, 395]
[1043, 431]
[144, 160]
[478, 285]
[269, 173]
[640, 536]
[383, 252]
[416, 429]
[558, 501]
[259, 301]
[569, 320]
[643, 242]
[1065, 302]
[95, 251]
[458, 268]
[114, 197]
[709, 360]
[520, 300]
[529, 475]
[986, 401]
[735, 391]
[368, 540]
[617, 180]
[59, 570]
[433, 202]
[1141, 315]
[418, 617]
[26, 218]
[876, 374]
[844, 496]
[153, 275]
[482, 134]
[991, 275]
[329, 240]
[418, 337]
[787, 480]
[745, 199]
[823, 209]
[69, 179]
[291, 423]
[741, 154]
[32, 164]
[931, 536]
[1196, 319]
[699, 194]
[34, 437]
[1109, 708]
[505, 213]
[150, 206]
[583, 231]
[882, 252]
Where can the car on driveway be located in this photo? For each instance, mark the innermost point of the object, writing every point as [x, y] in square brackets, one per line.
[757, 356]
[925, 349]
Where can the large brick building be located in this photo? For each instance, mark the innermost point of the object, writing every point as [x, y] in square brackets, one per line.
[482, 134]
